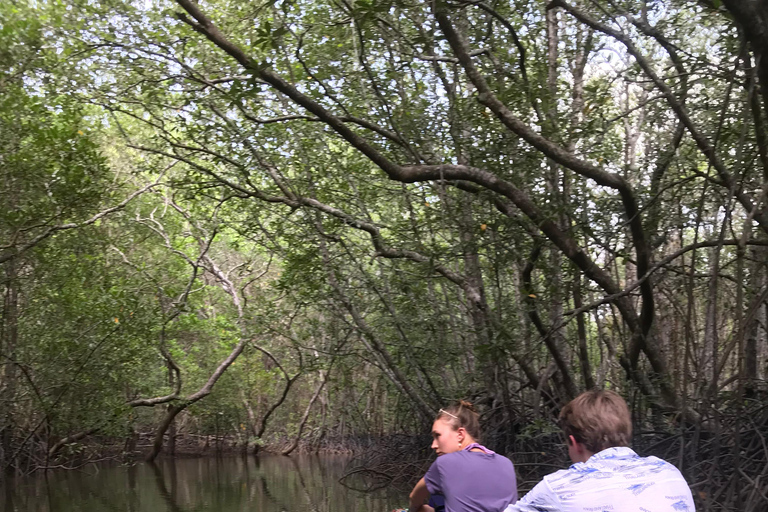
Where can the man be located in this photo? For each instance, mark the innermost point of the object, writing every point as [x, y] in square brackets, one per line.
[606, 476]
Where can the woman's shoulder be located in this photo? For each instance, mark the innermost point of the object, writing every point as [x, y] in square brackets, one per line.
[496, 460]
[463, 456]
[452, 459]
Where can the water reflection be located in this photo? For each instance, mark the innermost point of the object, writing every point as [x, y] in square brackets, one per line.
[263, 484]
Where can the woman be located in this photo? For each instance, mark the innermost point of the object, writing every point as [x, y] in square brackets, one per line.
[468, 475]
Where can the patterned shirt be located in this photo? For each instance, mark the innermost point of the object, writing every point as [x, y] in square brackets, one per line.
[613, 480]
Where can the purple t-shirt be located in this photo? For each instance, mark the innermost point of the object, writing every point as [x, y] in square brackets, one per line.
[473, 481]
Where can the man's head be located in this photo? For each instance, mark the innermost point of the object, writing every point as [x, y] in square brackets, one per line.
[597, 420]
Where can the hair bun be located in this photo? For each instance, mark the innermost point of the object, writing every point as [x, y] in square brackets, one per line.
[467, 405]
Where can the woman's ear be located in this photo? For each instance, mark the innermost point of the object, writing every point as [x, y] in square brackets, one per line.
[461, 432]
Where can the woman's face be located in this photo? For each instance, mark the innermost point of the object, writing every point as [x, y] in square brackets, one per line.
[445, 439]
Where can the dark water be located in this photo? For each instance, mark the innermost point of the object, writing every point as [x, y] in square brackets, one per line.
[263, 484]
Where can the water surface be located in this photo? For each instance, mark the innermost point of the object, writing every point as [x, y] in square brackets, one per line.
[267, 483]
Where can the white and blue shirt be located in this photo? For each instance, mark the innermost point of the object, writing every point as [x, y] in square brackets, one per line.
[613, 480]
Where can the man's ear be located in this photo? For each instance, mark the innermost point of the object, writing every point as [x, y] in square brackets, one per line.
[577, 451]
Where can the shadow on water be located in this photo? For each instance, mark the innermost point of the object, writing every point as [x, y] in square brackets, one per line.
[169, 497]
[268, 483]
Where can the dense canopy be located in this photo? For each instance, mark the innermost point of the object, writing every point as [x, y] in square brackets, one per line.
[288, 220]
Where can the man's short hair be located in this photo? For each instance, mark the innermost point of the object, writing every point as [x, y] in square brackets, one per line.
[598, 419]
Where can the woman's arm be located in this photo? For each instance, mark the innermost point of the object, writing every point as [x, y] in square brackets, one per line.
[419, 495]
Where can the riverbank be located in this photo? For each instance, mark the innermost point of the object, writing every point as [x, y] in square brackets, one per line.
[396, 461]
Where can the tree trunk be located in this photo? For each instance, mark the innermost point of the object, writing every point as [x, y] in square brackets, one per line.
[157, 444]
[392, 370]
[586, 370]
[70, 439]
[295, 443]
[174, 410]
[8, 346]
